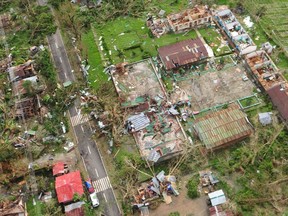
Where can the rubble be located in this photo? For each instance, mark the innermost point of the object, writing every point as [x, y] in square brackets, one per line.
[159, 186]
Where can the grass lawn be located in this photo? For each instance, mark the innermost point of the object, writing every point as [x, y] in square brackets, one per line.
[96, 74]
[35, 210]
[249, 101]
[131, 37]
[213, 39]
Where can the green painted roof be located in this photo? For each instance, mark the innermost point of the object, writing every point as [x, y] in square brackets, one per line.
[221, 127]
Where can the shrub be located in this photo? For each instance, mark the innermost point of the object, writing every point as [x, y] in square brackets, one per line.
[192, 186]
[174, 214]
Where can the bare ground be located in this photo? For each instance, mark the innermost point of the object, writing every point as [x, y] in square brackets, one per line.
[182, 204]
[214, 88]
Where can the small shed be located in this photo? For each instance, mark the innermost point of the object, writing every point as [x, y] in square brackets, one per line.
[265, 118]
[58, 169]
[217, 197]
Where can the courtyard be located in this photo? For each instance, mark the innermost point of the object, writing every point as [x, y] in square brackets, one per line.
[212, 88]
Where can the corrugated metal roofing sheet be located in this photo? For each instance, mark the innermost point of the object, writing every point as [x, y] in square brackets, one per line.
[67, 185]
[279, 97]
[223, 126]
[182, 53]
[139, 121]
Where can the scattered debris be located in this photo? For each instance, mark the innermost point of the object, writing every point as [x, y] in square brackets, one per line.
[248, 22]
[159, 186]
[265, 118]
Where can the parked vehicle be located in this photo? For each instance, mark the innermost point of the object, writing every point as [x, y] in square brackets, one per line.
[94, 200]
[89, 186]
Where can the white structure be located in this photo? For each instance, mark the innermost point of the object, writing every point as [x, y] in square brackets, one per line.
[265, 118]
[235, 32]
[217, 197]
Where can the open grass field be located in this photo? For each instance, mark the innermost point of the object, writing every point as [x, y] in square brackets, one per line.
[213, 39]
[128, 39]
[90, 49]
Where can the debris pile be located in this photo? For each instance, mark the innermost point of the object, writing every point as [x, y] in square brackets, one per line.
[207, 181]
[160, 186]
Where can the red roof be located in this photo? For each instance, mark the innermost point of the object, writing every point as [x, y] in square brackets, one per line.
[68, 185]
[58, 168]
[279, 97]
[182, 53]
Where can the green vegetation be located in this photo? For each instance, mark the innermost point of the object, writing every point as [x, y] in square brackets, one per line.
[29, 31]
[213, 39]
[270, 17]
[130, 36]
[192, 187]
[249, 101]
[37, 209]
[174, 214]
[45, 67]
[90, 51]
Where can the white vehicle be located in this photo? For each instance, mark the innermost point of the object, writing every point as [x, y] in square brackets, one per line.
[94, 199]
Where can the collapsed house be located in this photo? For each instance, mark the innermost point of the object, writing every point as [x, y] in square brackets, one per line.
[26, 107]
[184, 53]
[263, 69]
[17, 208]
[223, 128]
[161, 185]
[234, 30]
[30, 85]
[190, 18]
[270, 79]
[158, 27]
[158, 134]
[22, 71]
[179, 22]
[25, 86]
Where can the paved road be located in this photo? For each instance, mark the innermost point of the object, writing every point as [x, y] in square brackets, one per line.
[81, 126]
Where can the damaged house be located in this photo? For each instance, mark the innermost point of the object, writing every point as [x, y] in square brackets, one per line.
[263, 69]
[270, 79]
[157, 133]
[223, 128]
[184, 53]
[190, 18]
[22, 71]
[234, 30]
[25, 86]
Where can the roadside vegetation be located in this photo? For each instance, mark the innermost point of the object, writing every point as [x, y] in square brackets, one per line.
[242, 169]
[252, 173]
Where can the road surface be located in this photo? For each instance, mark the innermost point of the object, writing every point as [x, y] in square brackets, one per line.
[87, 147]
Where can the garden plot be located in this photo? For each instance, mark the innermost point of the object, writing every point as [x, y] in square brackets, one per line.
[274, 19]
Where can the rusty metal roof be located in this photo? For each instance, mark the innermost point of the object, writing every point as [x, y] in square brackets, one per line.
[182, 53]
[222, 127]
[279, 97]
